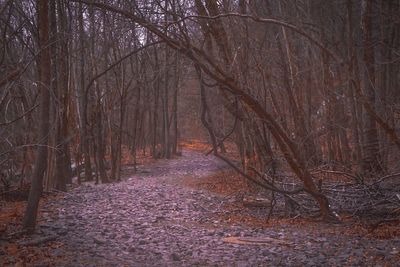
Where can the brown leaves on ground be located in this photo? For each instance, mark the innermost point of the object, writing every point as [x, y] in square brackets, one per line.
[196, 145]
[350, 226]
[385, 230]
[229, 182]
[223, 183]
[31, 255]
[11, 215]
[205, 148]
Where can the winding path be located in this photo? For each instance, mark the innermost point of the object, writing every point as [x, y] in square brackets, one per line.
[151, 219]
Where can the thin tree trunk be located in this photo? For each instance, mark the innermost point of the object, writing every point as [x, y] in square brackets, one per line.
[175, 108]
[84, 134]
[44, 70]
[372, 161]
[63, 162]
[165, 105]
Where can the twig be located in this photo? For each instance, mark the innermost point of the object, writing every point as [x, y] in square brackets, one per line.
[386, 177]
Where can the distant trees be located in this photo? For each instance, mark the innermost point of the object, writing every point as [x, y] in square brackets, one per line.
[103, 88]
[302, 96]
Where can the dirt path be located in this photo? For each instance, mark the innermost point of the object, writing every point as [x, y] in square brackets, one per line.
[152, 220]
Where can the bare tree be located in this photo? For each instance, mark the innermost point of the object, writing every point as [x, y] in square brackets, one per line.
[44, 85]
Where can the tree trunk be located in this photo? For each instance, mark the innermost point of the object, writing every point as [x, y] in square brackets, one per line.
[44, 83]
[63, 162]
[372, 161]
[166, 142]
[84, 134]
[175, 139]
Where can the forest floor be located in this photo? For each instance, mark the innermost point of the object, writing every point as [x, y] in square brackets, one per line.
[186, 211]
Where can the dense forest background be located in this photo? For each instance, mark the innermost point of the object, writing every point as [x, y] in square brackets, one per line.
[299, 90]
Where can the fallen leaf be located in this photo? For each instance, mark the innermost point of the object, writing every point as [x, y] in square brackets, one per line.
[12, 249]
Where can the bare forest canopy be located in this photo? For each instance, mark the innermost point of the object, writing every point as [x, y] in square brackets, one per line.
[302, 90]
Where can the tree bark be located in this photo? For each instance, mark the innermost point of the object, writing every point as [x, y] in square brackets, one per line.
[83, 101]
[372, 161]
[44, 83]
